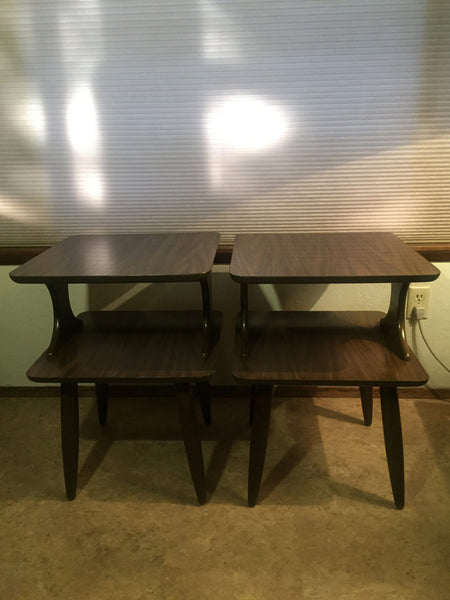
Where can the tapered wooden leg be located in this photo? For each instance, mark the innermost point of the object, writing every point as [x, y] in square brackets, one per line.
[366, 393]
[69, 436]
[101, 392]
[244, 320]
[207, 315]
[192, 441]
[205, 401]
[393, 441]
[258, 441]
[251, 412]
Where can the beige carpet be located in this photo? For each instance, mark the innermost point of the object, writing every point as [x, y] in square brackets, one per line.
[325, 526]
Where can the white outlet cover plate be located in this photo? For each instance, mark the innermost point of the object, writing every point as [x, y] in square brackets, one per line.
[412, 302]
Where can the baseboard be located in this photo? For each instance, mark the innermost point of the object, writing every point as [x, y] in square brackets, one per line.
[238, 391]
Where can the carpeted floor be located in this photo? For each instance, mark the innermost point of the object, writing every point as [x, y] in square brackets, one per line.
[325, 526]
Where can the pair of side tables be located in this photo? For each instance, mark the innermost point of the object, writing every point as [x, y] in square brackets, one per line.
[343, 348]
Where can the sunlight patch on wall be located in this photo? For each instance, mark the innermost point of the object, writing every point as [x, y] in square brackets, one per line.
[83, 134]
[238, 125]
[82, 125]
[82, 122]
[245, 123]
[218, 34]
[10, 210]
[29, 119]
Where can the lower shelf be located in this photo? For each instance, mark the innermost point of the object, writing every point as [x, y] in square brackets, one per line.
[129, 346]
[321, 348]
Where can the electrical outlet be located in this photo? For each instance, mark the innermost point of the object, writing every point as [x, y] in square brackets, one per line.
[418, 297]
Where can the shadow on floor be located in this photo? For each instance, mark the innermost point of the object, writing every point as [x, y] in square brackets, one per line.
[435, 417]
[118, 462]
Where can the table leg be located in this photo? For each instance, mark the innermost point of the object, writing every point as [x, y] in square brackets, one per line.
[101, 393]
[64, 321]
[192, 441]
[393, 441]
[244, 320]
[393, 324]
[366, 393]
[205, 401]
[258, 441]
[251, 412]
[207, 317]
[69, 436]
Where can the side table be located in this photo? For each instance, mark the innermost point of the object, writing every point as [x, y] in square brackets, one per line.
[147, 347]
[339, 348]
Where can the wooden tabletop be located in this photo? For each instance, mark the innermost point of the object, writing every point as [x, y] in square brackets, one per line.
[327, 257]
[123, 258]
[321, 348]
[129, 346]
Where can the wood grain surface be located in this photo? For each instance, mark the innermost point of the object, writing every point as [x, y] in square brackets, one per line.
[129, 346]
[327, 257]
[321, 348]
[123, 258]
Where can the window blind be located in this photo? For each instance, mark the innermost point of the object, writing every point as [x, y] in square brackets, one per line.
[235, 116]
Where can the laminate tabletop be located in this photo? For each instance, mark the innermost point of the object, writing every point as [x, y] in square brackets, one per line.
[130, 347]
[123, 258]
[321, 348]
[327, 257]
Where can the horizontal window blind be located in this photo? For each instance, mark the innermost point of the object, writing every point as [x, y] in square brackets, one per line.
[235, 116]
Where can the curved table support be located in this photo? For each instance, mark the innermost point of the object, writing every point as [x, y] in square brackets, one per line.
[64, 321]
[393, 324]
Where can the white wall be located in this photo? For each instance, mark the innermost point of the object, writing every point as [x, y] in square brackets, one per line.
[26, 314]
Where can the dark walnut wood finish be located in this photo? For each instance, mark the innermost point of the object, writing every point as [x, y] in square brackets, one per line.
[123, 257]
[131, 347]
[321, 348]
[128, 347]
[364, 349]
[332, 258]
[327, 258]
